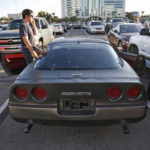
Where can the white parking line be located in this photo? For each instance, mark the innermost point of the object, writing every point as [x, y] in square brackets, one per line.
[148, 104]
[3, 107]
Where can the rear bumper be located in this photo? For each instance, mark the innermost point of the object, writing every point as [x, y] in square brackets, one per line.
[97, 31]
[102, 114]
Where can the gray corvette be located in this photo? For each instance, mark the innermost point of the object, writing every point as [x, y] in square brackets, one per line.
[78, 80]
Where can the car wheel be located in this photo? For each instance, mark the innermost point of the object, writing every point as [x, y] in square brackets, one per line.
[133, 49]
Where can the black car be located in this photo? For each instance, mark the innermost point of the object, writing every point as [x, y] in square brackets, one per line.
[78, 80]
[120, 34]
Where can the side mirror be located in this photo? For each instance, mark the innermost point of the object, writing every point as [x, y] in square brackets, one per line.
[44, 27]
[145, 31]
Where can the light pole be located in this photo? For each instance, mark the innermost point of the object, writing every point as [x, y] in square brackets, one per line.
[53, 16]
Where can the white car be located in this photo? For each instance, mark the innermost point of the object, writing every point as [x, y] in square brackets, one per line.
[95, 27]
[58, 28]
[140, 44]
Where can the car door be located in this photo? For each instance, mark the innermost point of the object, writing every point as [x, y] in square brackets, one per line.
[49, 31]
[44, 32]
[145, 47]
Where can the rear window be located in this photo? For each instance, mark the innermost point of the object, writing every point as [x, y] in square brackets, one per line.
[118, 20]
[55, 25]
[96, 23]
[73, 56]
[130, 28]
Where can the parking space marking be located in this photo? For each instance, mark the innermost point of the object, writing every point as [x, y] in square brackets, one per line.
[148, 104]
[3, 107]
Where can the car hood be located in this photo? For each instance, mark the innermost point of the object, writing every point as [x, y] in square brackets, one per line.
[121, 74]
[10, 33]
[128, 35]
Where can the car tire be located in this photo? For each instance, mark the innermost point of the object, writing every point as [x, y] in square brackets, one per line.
[133, 49]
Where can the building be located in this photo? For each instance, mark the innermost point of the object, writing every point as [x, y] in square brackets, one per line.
[114, 8]
[71, 8]
[88, 8]
[15, 16]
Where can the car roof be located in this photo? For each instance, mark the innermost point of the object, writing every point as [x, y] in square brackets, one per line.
[78, 40]
[130, 24]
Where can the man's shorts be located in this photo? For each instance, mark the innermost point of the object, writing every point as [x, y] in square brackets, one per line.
[27, 55]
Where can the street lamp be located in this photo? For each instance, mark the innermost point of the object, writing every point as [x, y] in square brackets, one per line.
[53, 16]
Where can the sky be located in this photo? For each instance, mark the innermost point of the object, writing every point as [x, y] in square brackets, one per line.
[16, 6]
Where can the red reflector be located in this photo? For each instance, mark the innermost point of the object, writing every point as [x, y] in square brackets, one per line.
[39, 93]
[133, 92]
[21, 92]
[3, 41]
[114, 92]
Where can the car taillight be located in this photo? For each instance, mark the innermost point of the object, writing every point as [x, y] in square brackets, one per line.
[21, 93]
[3, 41]
[39, 93]
[114, 92]
[133, 92]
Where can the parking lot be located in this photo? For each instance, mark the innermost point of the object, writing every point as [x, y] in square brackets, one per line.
[104, 137]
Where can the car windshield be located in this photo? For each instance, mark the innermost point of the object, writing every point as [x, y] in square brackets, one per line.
[130, 28]
[75, 56]
[118, 20]
[15, 24]
[96, 23]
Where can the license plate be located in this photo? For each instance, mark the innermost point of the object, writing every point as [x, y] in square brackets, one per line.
[76, 107]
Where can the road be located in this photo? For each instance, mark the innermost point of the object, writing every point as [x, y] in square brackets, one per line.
[104, 137]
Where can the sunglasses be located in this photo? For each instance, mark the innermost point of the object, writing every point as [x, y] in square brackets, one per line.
[31, 16]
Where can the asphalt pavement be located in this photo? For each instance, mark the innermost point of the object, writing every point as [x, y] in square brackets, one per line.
[103, 137]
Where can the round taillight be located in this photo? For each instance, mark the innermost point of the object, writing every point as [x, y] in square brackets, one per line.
[39, 93]
[21, 93]
[114, 92]
[133, 92]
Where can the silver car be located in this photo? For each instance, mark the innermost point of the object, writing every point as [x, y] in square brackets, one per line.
[78, 81]
[58, 28]
[96, 27]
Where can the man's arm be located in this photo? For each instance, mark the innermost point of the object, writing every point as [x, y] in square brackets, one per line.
[34, 27]
[29, 47]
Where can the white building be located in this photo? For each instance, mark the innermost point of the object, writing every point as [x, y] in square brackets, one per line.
[87, 8]
[15, 16]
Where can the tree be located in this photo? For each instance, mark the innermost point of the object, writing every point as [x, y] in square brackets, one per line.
[73, 19]
[46, 15]
[66, 19]
[142, 13]
[130, 15]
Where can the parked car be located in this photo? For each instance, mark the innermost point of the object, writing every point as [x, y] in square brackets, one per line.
[78, 81]
[59, 28]
[84, 25]
[113, 22]
[140, 44]
[95, 27]
[77, 25]
[10, 43]
[120, 34]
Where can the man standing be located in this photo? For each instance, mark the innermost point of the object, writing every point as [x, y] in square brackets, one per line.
[27, 36]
